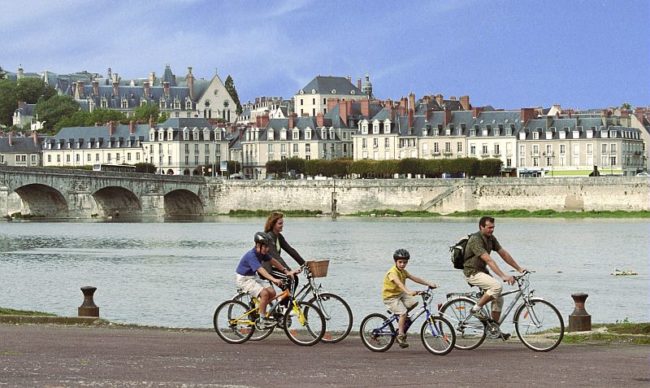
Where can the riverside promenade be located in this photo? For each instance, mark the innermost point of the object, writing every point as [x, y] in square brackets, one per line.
[47, 355]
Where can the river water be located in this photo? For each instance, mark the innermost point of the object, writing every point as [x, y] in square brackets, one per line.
[175, 274]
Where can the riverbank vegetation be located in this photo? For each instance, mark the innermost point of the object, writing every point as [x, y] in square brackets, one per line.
[265, 213]
[515, 213]
[612, 333]
[8, 311]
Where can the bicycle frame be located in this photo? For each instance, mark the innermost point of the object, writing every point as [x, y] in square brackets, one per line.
[521, 294]
[413, 316]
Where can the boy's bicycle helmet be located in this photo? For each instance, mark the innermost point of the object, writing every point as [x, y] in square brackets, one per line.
[401, 254]
[262, 238]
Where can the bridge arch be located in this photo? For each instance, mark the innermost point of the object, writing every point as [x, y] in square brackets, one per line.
[183, 202]
[40, 200]
[116, 201]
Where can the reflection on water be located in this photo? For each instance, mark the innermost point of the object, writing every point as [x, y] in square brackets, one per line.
[175, 273]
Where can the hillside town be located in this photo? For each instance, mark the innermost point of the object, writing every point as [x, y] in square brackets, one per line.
[331, 117]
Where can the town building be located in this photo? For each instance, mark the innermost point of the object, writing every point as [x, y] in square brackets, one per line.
[186, 147]
[20, 150]
[274, 107]
[111, 143]
[312, 98]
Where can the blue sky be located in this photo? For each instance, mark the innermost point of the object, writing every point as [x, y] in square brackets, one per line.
[504, 53]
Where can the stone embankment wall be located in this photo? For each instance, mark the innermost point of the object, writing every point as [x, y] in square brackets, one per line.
[434, 195]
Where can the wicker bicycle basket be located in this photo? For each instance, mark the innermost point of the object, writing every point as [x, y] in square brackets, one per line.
[318, 268]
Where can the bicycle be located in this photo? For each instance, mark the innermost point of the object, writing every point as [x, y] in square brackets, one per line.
[304, 324]
[378, 333]
[538, 323]
[337, 312]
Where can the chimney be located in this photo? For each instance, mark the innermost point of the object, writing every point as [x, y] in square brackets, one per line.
[166, 88]
[331, 103]
[147, 89]
[264, 120]
[359, 84]
[403, 106]
[11, 143]
[476, 111]
[131, 127]
[116, 88]
[320, 119]
[439, 100]
[80, 89]
[365, 108]
[292, 120]
[410, 119]
[464, 102]
[343, 112]
[96, 88]
[527, 114]
[447, 116]
[152, 78]
[111, 128]
[412, 101]
[35, 138]
[190, 82]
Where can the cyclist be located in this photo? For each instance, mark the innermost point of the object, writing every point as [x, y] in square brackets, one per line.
[477, 261]
[273, 228]
[250, 268]
[396, 296]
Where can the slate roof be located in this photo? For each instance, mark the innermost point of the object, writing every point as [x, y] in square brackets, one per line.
[19, 145]
[328, 84]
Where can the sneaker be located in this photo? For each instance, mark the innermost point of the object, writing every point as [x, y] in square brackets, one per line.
[505, 336]
[401, 341]
[264, 323]
[480, 315]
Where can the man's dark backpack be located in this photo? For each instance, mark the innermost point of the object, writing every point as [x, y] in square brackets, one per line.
[458, 252]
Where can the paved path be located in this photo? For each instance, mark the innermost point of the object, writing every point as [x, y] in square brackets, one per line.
[75, 356]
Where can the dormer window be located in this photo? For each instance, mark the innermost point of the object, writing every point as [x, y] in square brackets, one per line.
[283, 134]
[332, 137]
[125, 103]
[387, 124]
[575, 134]
[186, 134]
[323, 134]
[270, 134]
[217, 134]
[188, 104]
[177, 104]
[536, 135]
[195, 134]
[170, 134]
[296, 134]
[206, 134]
[307, 134]
[104, 103]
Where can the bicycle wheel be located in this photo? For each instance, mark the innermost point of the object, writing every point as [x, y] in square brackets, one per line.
[258, 334]
[304, 324]
[470, 332]
[232, 322]
[438, 335]
[338, 316]
[377, 333]
[539, 326]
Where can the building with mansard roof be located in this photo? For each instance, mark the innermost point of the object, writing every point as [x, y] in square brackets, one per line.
[312, 98]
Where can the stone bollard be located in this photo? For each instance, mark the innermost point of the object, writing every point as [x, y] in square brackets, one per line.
[88, 308]
[579, 320]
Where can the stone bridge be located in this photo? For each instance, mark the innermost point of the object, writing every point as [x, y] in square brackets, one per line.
[68, 193]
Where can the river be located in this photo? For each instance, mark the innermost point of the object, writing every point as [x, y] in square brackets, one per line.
[174, 274]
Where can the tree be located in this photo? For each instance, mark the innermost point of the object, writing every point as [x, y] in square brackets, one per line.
[8, 101]
[144, 112]
[30, 90]
[230, 87]
[55, 109]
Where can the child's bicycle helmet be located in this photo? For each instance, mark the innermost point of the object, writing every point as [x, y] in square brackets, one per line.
[401, 254]
[262, 238]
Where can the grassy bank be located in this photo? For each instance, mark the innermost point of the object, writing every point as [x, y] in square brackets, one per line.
[7, 311]
[612, 333]
[515, 213]
[265, 213]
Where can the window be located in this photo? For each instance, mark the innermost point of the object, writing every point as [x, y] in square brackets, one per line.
[436, 148]
[484, 149]
[472, 149]
[459, 146]
[117, 157]
[535, 149]
[386, 142]
[612, 148]
[497, 149]
[295, 148]
[207, 149]
[375, 142]
[307, 148]
[128, 156]
[448, 147]
[604, 149]
[196, 148]
[535, 135]
[364, 143]
[563, 149]
[88, 158]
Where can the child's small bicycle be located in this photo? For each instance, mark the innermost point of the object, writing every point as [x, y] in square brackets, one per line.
[378, 333]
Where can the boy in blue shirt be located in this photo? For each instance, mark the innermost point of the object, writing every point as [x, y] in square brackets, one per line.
[249, 270]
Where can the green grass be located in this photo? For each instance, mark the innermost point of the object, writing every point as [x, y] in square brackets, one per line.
[523, 213]
[265, 213]
[395, 213]
[612, 333]
[8, 311]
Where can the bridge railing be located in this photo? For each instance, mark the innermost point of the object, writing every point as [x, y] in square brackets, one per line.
[60, 171]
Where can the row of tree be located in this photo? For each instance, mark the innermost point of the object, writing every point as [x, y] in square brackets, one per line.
[431, 168]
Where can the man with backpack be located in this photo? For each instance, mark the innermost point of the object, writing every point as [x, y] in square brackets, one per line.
[477, 261]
